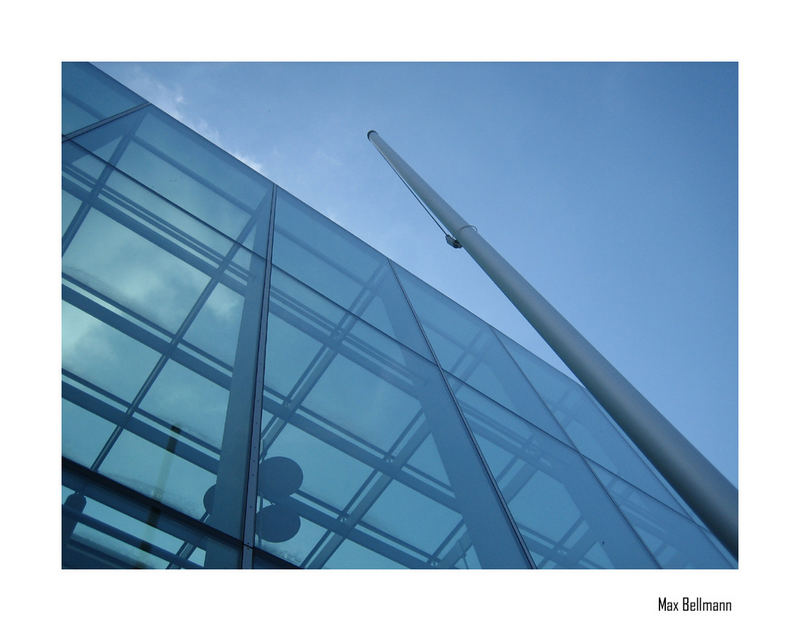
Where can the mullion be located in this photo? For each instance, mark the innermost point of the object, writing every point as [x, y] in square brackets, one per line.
[88, 202]
[155, 193]
[380, 481]
[144, 430]
[167, 354]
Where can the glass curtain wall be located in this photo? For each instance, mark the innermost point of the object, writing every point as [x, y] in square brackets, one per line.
[246, 384]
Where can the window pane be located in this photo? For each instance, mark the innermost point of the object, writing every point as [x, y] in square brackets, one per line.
[83, 433]
[133, 271]
[364, 459]
[342, 268]
[673, 539]
[89, 95]
[187, 170]
[586, 424]
[103, 355]
[102, 528]
[160, 336]
[563, 513]
[467, 348]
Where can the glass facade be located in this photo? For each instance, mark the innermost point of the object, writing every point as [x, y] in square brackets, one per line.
[247, 385]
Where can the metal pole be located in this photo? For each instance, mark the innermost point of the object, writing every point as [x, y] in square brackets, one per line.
[700, 484]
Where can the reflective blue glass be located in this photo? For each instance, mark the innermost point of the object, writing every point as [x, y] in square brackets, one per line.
[104, 529]
[586, 424]
[160, 325]
[565, 517]
[186, 169]
[83, 433]
[342, 268]
[365, 461]
[673, 539]
[397, 430]
[467, 347]
[89, 95]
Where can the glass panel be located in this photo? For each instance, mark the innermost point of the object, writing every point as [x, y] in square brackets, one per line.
[133, 271]
[83, 433]
[467, 348]
[89, 95]
[158, 473]
[102, 529]
[673, 539]
[102, 355]
[342, 268]
[364, 459]
[160, 330]
[187, 170]
[563, 513]
[586, 424]
[189, 402]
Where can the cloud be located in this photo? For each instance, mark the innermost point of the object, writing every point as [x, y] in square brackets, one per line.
[171, 99]
[253, 164]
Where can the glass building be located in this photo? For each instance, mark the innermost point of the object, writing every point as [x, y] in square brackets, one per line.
[248, 385]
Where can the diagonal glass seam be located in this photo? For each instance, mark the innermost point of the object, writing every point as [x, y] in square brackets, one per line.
[258, 395]
[270, 431]
[89, 108]
[185, 129]
[304, 422]
[637, 452]
[446, 298]
[196, 176]
[574, 446]
[373, 461]
[354, 315]
[410, 481]
[469, 359]
[506, 511]
[332, 345]
[68, 137]
[88, 202]
[400, 452]
[506, 408]
[382, 262]
[151, 219]
[510, 489]
[594, 463]
[186, 170]
[569, 446]
[609, 421]
[169, 201]
[650, 467]
[285, 234]
[718, 547]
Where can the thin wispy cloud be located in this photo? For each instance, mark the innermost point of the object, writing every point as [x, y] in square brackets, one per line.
[172, 100]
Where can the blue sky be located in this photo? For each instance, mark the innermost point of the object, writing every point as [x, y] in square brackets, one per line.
[611, 187]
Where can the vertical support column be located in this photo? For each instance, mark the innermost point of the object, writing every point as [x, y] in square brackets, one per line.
[230, 491]
[258, 394]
